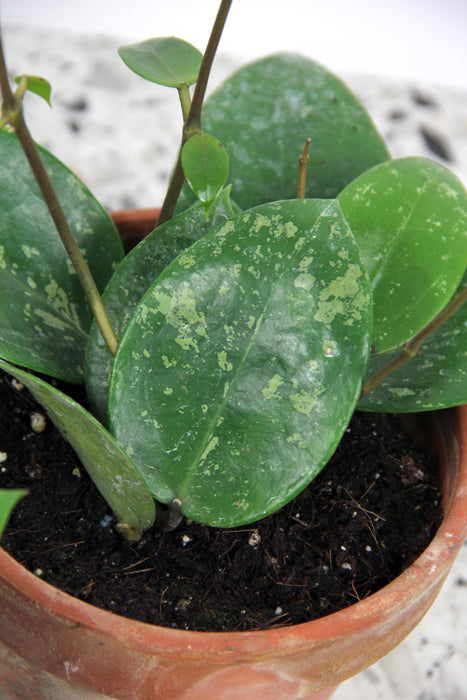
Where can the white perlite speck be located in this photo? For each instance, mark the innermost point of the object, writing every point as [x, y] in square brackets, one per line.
[38, 422]
[255, 539]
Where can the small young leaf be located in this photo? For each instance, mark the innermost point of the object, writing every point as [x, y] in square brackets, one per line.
[435, 378]
[39, 86]
[106, 463]
[132, 279]
[166, 61]
[44, 314]
[206, 165]
[409, 217]
[241, 366]
[8, 500]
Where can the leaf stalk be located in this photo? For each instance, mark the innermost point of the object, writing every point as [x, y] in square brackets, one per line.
[411, 347]
[185, 100]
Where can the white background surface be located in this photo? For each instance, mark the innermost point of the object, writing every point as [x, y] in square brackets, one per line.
[415, 39]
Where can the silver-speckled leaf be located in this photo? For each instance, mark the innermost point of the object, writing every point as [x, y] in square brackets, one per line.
[131, 280]
[409, 218]
[240, 369]
[44, 314]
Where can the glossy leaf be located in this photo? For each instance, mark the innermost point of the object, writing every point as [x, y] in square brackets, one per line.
[205, 165]
[409, 217]
[38, 86]
[240, 369]
[44, 315]
[106, 463]
[8, 500]
[131, 280]
[435, 378]
[166, 61]
[264, 113]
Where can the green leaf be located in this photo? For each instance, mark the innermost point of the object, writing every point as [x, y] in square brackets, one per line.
[44, 315]
[206, 165]
[131, 280]
[435, 378]
[8, 500]
[263, 115]
[166, 61]
[240, 368]
[39, 86]
[409, 217]
[106, 463]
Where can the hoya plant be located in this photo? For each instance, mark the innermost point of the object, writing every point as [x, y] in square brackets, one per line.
[297, 273]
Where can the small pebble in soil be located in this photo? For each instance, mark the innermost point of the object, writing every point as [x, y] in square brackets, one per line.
[38, 422]
[254, 539]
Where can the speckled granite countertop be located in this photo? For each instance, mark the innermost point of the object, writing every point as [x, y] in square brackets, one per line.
[120, 134]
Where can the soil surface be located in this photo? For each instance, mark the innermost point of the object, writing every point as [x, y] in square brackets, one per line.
[371, 511]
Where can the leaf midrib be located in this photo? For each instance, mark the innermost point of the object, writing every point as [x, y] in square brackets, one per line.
[429, 184]
[209, 433]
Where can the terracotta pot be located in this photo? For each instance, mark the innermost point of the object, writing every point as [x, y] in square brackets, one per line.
[134, 224]
[54, 647]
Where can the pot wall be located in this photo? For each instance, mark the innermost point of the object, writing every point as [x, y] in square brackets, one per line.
[134, 224]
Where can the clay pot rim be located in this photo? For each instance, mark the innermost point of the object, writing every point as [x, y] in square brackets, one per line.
[431, 563]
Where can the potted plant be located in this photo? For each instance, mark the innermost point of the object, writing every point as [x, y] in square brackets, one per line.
[234, 341]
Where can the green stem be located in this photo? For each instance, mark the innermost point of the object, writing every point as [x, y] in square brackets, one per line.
[185, 101]
[77, 259]
[412, 346]
[13, 108]
[9, 101]
[194, 118]
[192, 123]
[169, 519]
[4, 120]
[22, 87]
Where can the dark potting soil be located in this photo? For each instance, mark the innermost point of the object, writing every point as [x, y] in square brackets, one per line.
[365, 518]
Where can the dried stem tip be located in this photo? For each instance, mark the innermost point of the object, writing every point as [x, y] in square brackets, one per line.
[302, 168]
[304, 157]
